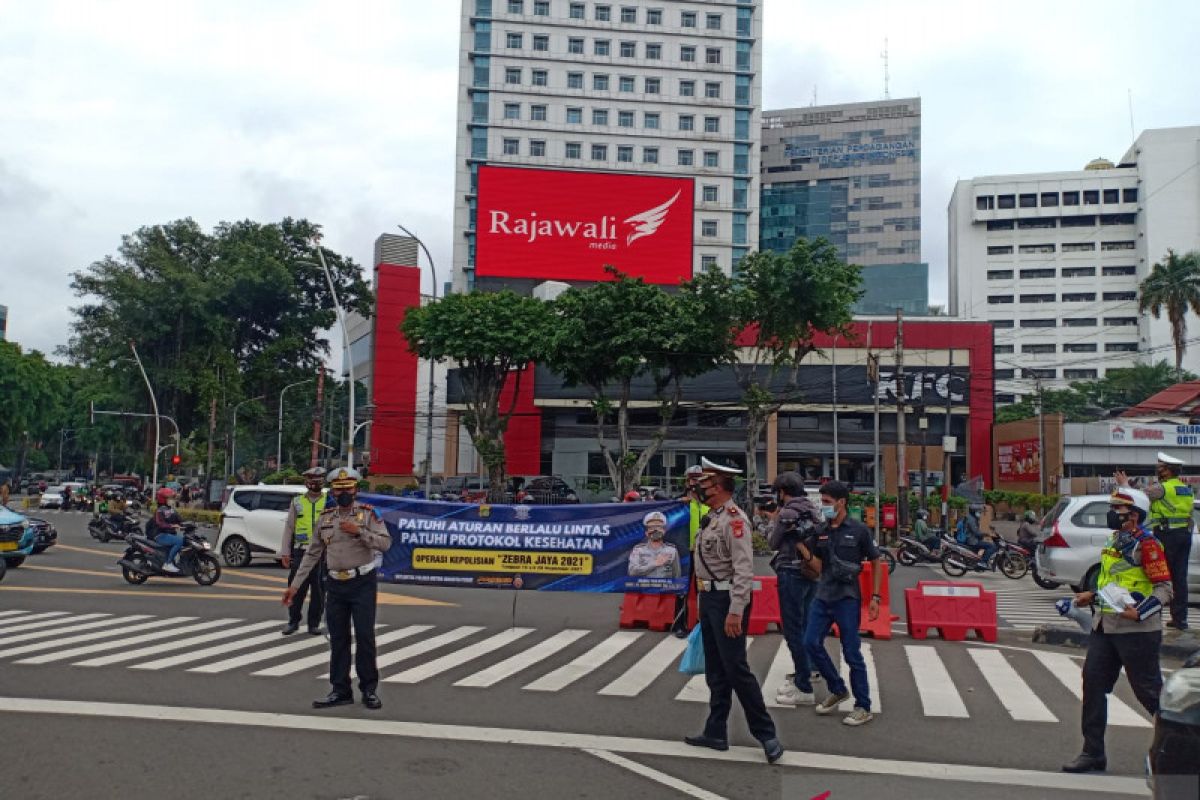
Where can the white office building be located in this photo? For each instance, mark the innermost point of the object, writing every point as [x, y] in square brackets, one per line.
[1054, 260]
[657, 87]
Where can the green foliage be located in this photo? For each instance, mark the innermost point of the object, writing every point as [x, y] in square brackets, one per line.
[287, 475]
[200, 515]
[1173, 286]
[385, 488]
[1088, 401]
[1022, 501]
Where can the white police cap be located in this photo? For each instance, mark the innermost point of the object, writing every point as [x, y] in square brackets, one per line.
[1163, 458]
[713, 468]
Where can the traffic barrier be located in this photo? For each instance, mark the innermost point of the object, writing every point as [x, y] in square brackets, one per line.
[653, 611]
[954, 609]
[764, 605]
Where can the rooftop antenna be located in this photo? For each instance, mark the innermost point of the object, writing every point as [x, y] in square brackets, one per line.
[886, 75]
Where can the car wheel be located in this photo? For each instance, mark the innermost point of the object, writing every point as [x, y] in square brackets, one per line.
[1045, 583]
[13, 563]
[236, 552]
[3, 568]
[39, 549]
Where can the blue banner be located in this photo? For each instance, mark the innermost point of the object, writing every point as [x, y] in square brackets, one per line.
[563, 548]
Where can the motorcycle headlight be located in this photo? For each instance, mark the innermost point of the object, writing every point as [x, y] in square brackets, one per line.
[206, 546]
[1181, 692]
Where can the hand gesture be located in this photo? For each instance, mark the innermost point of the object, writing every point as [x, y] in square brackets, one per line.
[661, 560]
[349, 526]
[1122, 478]
[733, 626]
[288, 595]
[1084, 599]
[873, 609]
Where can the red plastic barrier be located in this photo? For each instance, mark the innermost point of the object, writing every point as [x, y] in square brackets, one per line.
[653, 611]
[954, 609]
[764, 605]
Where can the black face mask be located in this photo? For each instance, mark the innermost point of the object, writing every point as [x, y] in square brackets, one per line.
[345, 500]
[1115, 519]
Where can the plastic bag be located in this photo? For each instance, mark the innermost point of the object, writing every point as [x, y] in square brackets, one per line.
[692, 662]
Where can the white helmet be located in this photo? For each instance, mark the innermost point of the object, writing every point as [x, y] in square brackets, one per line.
[1124, 496]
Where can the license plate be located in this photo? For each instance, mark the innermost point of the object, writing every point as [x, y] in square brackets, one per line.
[8, 545]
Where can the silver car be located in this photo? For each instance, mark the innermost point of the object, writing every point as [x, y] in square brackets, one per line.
[1075, 531]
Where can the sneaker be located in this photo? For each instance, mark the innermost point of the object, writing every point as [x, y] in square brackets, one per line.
[790, 695]
[830, 703]
[170, 568]
[859, 716]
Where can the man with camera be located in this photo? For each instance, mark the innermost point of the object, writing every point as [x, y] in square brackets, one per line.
[794, 519]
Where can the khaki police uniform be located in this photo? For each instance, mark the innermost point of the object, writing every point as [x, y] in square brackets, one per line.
[302, 516]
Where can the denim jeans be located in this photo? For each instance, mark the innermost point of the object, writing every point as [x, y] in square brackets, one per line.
[795, 596]
[989, 550]
[821, 617]
[172, 540]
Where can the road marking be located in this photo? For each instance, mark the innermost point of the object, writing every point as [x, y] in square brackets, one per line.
[458, 657]
[27, 622]
[670, 781]
[63, 655]
[293, 646]
[847, 705]
[270, 598]
[424, 646]
[696, 689]
[12, 612]
[1010, 688]
[77, 549]
[308, 662]
[511, 666]
[584, 664]
[643, 673]
[242, 573]
[1044, 782]
[47, 631]
[1068, 673]
[208, 652]
[938, 696]
[166, 647]
[91, 637]
[781, 665]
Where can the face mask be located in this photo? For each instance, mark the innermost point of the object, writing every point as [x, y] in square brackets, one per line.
[345, 500]
[828, 512]
[656, 535]
[314, 488]
[1115, 519]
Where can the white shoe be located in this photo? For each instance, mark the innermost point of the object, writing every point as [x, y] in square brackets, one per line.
[859, 716]
[170, 568]
[790, 695]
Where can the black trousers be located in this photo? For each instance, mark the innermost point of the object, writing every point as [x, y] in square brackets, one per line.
[351, 601]
[680, 624]
[1177, 545]
[1107, 654]
[316, 605]
[726, 671]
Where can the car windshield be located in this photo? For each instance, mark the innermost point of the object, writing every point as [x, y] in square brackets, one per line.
[1056, 512]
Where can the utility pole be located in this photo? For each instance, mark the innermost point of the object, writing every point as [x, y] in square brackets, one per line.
[901, 432]
[316, 437]
[873, 377]
[212, 432]
[837, 458]
[157, 420]
[946, 435]
[1041, 437]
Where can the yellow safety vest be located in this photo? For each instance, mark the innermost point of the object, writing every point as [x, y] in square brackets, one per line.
[307, 512]
[696, 511]
[1175, 508]
[1115, 569]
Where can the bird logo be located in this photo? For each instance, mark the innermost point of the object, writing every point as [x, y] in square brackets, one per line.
[648, 222]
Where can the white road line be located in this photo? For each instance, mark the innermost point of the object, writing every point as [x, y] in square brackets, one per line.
[938, 696]
[781, 665]
[643, 673]
[847, 705]
[28, 624]
[696, 689]
[12, 612]
[458, 657]
[308, 662]
[669, 781]
[586, 663]
[180, 644]
[91, 637]
[208, 652]
[73, 628]
[1069, 673]
[1043, 782]
[257, 656]
[524, 660]
[1010, 688]
[116, 644]
[424, 646]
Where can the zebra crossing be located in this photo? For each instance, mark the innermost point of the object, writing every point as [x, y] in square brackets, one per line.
[1029, 686]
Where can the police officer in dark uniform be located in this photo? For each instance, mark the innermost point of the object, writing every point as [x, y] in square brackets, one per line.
[724, 561]
[348, 534]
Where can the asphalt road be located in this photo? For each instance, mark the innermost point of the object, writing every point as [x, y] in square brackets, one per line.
[103, 706]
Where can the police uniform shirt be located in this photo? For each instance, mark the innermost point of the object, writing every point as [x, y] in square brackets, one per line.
[643, 561]
[344, 550]
[724, 552]
[289, 527]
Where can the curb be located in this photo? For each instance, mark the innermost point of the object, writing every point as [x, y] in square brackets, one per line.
[1071, 636]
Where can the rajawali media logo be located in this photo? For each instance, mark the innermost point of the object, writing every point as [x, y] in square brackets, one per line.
[601, 234]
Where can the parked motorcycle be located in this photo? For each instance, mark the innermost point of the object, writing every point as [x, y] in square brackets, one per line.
[144, 558]
[957, 559]
[105, 528]
[911, 551]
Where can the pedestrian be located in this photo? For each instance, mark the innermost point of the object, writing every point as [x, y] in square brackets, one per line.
[1171, 503]
[725, 577]
[1133, 587]
[297, 533]
[347, 535]
[840, 548]
[790, 526]
[696, 511]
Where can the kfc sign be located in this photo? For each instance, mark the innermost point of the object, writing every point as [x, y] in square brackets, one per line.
[554, 225]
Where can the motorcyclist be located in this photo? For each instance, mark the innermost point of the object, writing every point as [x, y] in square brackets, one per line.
[1027, 534]
[921, 533]
[167, 526]
[983, 548]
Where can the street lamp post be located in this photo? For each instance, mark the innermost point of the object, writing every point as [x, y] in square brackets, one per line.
[279, 432]
[233, 455]
[341, 316]
[429, 403]
[157, 420]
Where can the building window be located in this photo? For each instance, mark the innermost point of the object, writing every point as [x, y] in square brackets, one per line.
[625, 154]
[1036, 248]
[653, 85]
[1079, 272]
[1035, 224]
[574, 150]
[1070, 198]
[1111, 246]
[576, 11]
[600, 82]
[1117, 296]
[599, 116]
[712, 159]
[687, 122]
[599, 152]
[1002, 323]
[1049, 199]
[712, 22]
[1041, 272]
[1079, 374]
[1037, 298]
[513, 41]
[1079, 322]
[575, 46]
[512, 147]
[1120, 322]
[1003, 374]
[574, 116]
[627, 49]
[1079, 247]
[708, 262]
[1028, 201]
[712, 90]
[708, 227]
[654, 52]
[1130, 195]
[574, 80]
[625, 119]
[1091, 197]
[537, 148]
[1000, 250]
[1113, 272]
[1112, 195]
[741, 190]
[603, 13]
[516, 6]
[653, 16]
[541, 43]
[539, 77]
[649, 155]
[512, 75]
[1044, 374]
[712, 124]
[1079, 297]
[999, 274]
[709, 193]
[687, 88]
[625, 83]
[712, 55]
[985, 203]
[999, 299]
[602, 47]
[1121, 347]
[541, 8]
[1038, 323]
[687, 19]
[628, 14]
[1117, 219]
[1038, 348]
[687, 53]
[1000, 225]
[1079, 347]
[686, 158]
[1007, 201]
[1002, 349]
[512, 110]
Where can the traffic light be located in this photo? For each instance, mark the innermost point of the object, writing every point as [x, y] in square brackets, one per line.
[175, 459]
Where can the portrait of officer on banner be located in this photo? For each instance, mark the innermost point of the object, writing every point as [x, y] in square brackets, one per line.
[655, 557]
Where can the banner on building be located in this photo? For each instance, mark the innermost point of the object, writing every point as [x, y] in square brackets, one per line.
[1020, 461]
[1126, 433]
[565, 548]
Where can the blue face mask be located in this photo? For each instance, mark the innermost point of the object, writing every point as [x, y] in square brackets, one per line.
[828, 512]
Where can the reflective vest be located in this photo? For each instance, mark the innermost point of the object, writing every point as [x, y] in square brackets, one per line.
[1174, 510]
[696, 512]
[307, 512]
[1114, 568]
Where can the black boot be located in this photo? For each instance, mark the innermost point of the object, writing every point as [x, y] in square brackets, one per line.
[1086, 763]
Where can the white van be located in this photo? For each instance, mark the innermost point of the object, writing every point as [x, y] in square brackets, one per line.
[252, 523]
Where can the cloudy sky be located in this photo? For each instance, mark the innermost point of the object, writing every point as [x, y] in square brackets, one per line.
[124, 113]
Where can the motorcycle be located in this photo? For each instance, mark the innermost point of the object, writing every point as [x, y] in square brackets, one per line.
[105, 528]
[144, 558]
[957, 559]
[911, 551]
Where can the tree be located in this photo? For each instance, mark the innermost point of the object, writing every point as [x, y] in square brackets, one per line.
[781, 302]
[491, 336]
[1173, 285]
[1087, 401]
[616, 334]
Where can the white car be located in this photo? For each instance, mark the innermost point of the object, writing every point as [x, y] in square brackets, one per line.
[252, 523]
[52, 497]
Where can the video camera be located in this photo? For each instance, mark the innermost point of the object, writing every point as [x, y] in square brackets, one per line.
[766, 502]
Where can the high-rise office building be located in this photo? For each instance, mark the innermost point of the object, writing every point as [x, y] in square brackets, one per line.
[3, 323]
[852, 174]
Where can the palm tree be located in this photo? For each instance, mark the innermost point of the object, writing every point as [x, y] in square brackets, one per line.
[1173, 285]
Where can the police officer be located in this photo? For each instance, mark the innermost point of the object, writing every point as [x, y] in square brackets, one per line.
[724, 577]
[1171, 521]
[297, 533]
[347, 534]
[696, 511]
[1133, 587]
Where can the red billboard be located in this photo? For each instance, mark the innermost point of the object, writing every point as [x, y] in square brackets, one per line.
[557, 225]
[1020, 461]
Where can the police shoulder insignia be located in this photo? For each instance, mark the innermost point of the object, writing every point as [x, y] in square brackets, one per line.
[1154, 563]
[738, 526]
[1183, 491]
[366, 506]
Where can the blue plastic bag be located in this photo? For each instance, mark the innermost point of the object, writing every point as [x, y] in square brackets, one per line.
[692, 662]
